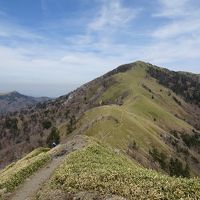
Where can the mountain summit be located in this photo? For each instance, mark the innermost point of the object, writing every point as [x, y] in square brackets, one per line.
[148, 115]
[14, 101]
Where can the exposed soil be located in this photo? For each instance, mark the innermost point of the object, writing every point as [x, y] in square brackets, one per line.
[31, 185]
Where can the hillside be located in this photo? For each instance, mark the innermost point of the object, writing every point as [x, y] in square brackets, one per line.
[133, 133]
[14, 101]
[130, 108]
[151, 123]
[113, 176]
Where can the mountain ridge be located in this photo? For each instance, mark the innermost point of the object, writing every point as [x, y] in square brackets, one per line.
[141, 123]
[128, 93]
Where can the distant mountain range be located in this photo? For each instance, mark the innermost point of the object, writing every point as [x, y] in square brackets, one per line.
[14, 101]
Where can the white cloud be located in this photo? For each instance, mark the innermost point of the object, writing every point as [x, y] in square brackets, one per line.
[176, 40]
[183, 19]
[177, 28]
[113, 15]
[175, 8]
[166, 52]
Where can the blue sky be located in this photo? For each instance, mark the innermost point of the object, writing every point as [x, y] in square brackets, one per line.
[49, 47]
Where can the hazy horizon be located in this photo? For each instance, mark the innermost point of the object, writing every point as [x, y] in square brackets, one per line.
[50, 47]
[59, 89]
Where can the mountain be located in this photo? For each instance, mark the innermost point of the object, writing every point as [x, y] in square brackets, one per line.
[135, 103]
[137, 127]
[14, 101]
[136, 118]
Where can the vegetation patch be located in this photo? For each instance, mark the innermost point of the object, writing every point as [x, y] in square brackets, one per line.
[46, 124]
[159, 157]
[71, 125]
[172, 166]
[191, 140]
[186, 85]
[98, 168]
[16, 173]
[53, 137]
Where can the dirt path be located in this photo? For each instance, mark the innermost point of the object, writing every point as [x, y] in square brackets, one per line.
[29, 188]
[34, 182]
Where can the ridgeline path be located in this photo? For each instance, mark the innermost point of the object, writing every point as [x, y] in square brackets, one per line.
[28, 189]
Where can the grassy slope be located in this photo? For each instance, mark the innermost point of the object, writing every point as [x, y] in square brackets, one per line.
[97, 168]
[134, 120]
[16, 173]
[117, 126]
[139, 107]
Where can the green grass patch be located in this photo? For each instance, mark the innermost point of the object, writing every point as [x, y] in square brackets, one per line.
[128, 127]
[16, 173]
[139, 101]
